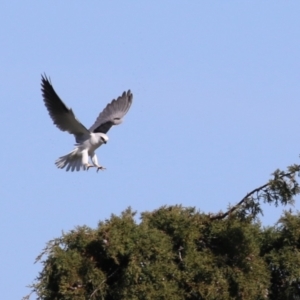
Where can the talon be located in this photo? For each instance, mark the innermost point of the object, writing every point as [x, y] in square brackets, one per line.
[88, 166]
[100, 168]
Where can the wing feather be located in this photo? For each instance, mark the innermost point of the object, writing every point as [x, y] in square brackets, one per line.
[62, 116]
[113, 113]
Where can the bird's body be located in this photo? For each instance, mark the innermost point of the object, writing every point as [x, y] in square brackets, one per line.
[80, 155]
[87, 141]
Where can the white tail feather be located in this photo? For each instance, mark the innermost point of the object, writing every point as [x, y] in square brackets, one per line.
[72, 160]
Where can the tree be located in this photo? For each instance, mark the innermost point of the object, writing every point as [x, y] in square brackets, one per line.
[181, 253]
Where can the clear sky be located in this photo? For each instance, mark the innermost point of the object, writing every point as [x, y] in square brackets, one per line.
[215, 112]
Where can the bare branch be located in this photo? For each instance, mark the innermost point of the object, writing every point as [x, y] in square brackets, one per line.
[98, 288]
[257, 190]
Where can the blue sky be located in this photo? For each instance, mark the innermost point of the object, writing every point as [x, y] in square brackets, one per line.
[216, 111]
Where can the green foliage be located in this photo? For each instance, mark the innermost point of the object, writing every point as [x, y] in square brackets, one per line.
[281, 250]
[180, 253]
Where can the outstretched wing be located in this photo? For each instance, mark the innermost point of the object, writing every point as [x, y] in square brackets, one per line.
[62, 116]
[113, 113]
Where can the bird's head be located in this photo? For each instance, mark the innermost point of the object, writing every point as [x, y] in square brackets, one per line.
[104, 138]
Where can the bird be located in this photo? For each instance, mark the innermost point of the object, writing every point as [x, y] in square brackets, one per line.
[87, 140]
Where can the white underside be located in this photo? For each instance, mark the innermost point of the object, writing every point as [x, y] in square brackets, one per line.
[78, 158]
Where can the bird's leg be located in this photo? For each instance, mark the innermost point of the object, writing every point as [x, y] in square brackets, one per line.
[85, 160]
[95, 162]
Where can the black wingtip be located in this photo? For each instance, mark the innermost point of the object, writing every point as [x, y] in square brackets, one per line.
[46, 79]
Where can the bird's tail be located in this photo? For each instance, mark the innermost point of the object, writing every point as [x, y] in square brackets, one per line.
[73, 161]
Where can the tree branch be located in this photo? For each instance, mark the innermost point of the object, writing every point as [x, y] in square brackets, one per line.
[232, 209]
[98, 288]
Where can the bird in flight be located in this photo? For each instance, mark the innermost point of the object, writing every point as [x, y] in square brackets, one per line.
[87, 140]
